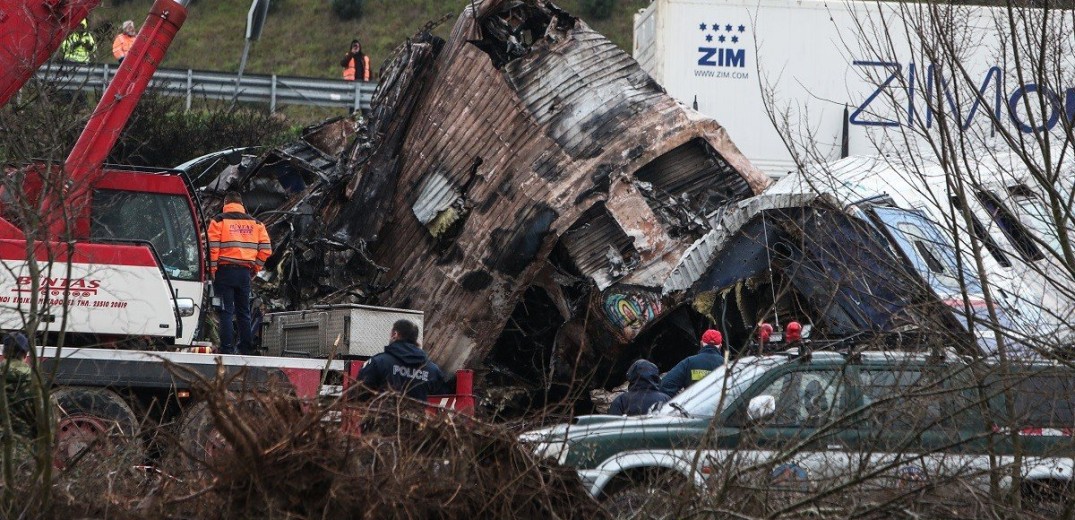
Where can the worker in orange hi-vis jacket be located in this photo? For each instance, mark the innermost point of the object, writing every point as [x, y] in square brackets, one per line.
[356, 64]
[238, 248]
[124, 41]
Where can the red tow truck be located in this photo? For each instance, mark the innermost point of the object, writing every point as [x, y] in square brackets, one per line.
[107, 265]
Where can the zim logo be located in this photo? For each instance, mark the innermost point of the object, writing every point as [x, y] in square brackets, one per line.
[721, 45]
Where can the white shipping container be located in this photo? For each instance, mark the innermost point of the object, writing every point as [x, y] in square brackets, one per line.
[828, 65]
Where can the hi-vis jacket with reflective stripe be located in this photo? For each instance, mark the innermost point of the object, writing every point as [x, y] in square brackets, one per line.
[236, 238]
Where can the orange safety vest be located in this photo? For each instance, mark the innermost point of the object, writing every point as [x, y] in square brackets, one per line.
[236, 238]
[122, 45]
[349, 71]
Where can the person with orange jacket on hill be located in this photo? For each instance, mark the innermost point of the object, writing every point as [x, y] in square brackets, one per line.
[356, 64]
[124, 41]
[239, 245]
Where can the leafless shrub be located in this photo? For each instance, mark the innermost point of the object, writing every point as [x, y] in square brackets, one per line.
[273, 456]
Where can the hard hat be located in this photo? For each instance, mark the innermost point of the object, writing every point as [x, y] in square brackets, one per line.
[793, 331]
[712, 337]
[764, 332]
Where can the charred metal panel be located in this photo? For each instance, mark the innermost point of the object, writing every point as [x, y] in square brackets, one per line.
[557, 123]
[599, 247]
[690, 180]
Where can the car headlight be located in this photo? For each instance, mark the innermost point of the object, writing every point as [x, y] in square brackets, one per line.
[557, 450]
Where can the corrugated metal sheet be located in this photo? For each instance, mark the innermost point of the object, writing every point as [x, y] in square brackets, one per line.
[589, 243]
[726, 223]
[436, 195]
[697, 170]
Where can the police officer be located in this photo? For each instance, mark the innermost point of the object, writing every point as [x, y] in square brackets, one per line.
[695, 367]
[403, 366]
[18, 385]
[643, 393]
[80, 45]
[238, 248]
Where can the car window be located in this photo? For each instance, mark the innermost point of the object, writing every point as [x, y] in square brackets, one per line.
[902, 398]
[1044, 399]
[720, 388]
[807, 399]
[163, 220]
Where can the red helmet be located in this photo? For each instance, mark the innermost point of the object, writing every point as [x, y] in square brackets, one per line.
[712, 337]
[793, 331]
[764, 332]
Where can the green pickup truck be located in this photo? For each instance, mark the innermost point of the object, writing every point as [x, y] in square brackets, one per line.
[815, 421]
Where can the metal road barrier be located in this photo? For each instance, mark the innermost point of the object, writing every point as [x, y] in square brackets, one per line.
[196, 84]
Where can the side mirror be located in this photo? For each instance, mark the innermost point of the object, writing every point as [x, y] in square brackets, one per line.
[761, 407]
[184, 306]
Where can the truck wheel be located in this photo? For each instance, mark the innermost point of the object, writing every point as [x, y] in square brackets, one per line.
[199, 439]
[94, 422]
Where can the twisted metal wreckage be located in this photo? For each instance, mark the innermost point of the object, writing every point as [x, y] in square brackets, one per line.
[555, 213]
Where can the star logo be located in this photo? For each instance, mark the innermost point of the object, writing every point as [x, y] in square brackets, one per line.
[735, 39]
[709, 37]
[721, 39]
[742, 28]
[701, 26]
[728, 27]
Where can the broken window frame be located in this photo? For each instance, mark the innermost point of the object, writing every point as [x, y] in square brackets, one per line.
[1034, 215]
[983, 235]
[1019, 237]
[930, 239]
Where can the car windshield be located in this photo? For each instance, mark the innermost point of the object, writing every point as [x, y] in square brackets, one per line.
[720, 388]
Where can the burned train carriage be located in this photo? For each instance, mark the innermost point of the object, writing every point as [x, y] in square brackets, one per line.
[551, 209]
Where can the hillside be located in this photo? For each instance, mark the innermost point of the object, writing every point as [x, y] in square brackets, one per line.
[304, 37]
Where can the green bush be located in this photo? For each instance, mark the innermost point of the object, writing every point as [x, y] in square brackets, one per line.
[162, 134]
[598, 9]
[347, 9]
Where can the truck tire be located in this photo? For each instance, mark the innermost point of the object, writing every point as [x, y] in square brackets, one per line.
[94, 423]
[199, 440]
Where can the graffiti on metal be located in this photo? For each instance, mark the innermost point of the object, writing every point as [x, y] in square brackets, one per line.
[631, 311]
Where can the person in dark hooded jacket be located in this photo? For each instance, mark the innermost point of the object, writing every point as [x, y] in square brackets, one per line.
[642, 394]
[403, 366]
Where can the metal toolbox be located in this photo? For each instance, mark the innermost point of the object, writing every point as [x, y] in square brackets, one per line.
[340, 330]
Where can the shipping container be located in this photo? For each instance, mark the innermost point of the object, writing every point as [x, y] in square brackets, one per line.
[832, 79]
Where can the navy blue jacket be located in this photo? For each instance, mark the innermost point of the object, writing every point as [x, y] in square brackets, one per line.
[402, 367]
[642, 395]
[690, 370]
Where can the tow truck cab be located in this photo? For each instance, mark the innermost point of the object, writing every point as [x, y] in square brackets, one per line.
[135, 267]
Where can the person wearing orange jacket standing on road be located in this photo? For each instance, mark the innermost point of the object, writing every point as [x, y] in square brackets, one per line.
[356, 64]
[124, 41]
[238, 248]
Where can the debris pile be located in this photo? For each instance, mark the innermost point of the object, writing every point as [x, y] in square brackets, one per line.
[552, 210]
[270, 456]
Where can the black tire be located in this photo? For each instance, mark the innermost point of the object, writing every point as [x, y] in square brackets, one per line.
[200, 443]
[659, 496]
[96, 424]
[199, 440]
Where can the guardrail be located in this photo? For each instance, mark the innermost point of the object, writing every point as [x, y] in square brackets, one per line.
[191, 84]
